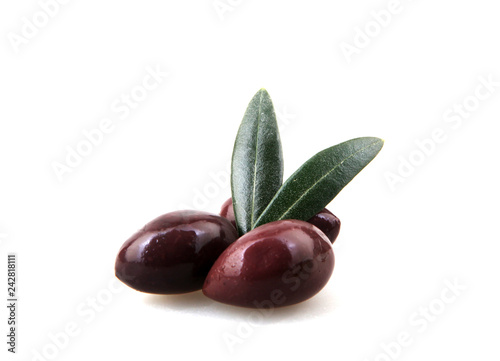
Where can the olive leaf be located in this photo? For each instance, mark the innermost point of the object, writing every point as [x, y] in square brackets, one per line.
[257, 162]
[319, 180]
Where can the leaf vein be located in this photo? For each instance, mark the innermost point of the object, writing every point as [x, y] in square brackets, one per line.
[252, 215]
[322, 178]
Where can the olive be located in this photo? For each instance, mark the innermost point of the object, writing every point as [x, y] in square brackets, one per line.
[325, 220]
[227, 211]
[174, 252]
[277, 264]
[328, 223]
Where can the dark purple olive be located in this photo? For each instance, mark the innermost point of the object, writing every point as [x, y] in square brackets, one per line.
[173, 253]
[325, 220]
[227, 211]
[277, 264]
[328, 223]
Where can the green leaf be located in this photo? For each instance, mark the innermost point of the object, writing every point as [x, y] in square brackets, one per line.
[257, 163]
[319, 180]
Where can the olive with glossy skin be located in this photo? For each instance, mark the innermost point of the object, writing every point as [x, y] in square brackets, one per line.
[227, 211]
[278, 264]
[173, 253]
[324, 220]
[328, 223]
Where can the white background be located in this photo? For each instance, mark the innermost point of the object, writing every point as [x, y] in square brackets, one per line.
[398, 247]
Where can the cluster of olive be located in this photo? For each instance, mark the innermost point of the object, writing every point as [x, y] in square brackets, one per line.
[284, 262]
[272, 242]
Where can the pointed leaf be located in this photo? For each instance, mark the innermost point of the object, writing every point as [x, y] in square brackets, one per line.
[319, 180]
[257, 163]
